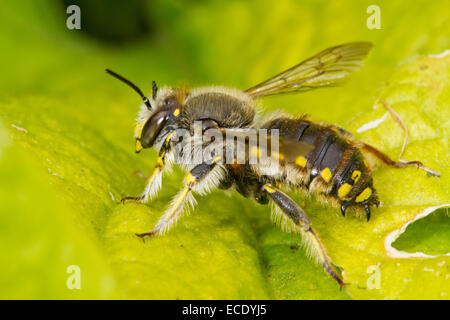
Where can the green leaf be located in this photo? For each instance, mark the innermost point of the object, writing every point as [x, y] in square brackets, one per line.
[69, 156]
[39, 238]
[428, 235]
[419, 93]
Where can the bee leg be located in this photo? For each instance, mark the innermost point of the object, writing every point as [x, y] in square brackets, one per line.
[343, 208]
[400, 163]
[141, 175]
[153, 184]
[397, 164]
[192, 179]
[154, 180]
[303, 226]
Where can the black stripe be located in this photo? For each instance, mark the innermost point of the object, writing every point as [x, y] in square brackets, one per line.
[334, 154]
[322, 148]
[341, 175]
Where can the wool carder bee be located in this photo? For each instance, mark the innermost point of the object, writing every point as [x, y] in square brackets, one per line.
[317, 158]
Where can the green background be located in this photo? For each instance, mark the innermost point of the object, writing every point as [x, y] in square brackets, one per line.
[67, 152]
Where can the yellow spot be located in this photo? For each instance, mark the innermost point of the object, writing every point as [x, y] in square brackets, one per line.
[364, 195]
[190, 179]
[138, 130]
[355, 175]
[217, 159]
[344, 190]
[277, 155]
[159, 161]
[139, 146]
[255, 151]
[169, 136]
[300, 161]
[269, 189]
[326, 174]
[176, 112]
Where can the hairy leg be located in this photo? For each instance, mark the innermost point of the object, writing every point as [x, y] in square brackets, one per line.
[401, 163]
[193, 179]
[154, 179]
[302, 225]
[397, 164]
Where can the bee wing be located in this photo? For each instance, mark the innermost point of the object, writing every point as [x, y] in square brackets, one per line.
[288, 149]
[327, 68]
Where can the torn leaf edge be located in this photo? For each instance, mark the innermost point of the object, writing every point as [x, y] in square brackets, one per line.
[391, 237]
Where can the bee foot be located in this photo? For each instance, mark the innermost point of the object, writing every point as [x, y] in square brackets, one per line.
[343, 208]
[342, 284]
[135, 199]
[367, 209]
[141, 175]
[147, 234]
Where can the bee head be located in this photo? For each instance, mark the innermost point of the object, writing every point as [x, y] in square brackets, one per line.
[155, 113]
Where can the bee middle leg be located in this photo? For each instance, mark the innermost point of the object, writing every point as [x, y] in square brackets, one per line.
[302, 225]
[191, 180]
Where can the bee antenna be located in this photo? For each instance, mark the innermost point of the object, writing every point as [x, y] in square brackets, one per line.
[155, 89]
[132, 85]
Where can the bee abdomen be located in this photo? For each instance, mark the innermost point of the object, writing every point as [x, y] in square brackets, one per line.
[328, 146]
[335, 167]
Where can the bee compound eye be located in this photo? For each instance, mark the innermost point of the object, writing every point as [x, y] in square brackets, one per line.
[153, 127]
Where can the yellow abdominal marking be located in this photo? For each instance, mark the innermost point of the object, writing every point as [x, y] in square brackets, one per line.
[217, 159]
[326, 174]
[277, 155]
[344, 190]
[355, 175]
[300, 161]
[176, 112]
[269, 189]
[367, 192]
[255, 151]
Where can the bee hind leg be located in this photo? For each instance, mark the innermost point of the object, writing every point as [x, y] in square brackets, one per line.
[401, 163]
[302, 225]
[397, 164]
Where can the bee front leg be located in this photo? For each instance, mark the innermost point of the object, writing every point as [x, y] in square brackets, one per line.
[192, 180]
[302, 225]
[154, 180]
[153, 184]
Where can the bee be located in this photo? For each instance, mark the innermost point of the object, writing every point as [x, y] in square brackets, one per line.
[316, 158]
